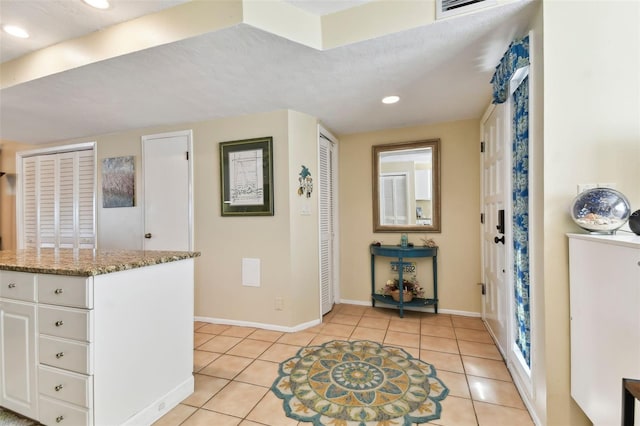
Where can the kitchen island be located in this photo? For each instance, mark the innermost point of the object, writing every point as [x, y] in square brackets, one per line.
[91, 337]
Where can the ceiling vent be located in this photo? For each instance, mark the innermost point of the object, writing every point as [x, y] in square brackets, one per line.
[446, 8]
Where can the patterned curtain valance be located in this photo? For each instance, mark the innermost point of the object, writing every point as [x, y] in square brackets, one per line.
[517, 56]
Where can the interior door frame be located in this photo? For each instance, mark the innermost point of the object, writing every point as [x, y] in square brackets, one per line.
[515, 362]
[189, 135]
[335, 247]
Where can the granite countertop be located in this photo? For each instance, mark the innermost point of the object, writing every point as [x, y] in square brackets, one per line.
[85, 262]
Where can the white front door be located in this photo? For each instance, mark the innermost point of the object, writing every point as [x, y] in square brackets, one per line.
[167, 191]
[495, 165]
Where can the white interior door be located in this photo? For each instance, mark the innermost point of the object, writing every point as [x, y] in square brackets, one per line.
[327, 214]
[494, 200]
[167, 191]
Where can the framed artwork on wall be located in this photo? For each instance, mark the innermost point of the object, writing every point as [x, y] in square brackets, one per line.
[118, 182]
[246, 177]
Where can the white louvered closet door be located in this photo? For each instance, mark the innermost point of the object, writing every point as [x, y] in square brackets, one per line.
[58, 201]
[395, 201]
[29, 205]
[327, 224]
[47, 199]
[85, 199]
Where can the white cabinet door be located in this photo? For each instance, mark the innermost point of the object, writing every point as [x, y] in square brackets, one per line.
[605, 322]
[18, 374]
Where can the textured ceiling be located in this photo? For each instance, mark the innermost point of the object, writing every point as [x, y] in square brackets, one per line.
[441, 72]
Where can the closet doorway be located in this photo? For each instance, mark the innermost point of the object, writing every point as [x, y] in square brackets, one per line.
[168, 198]
[328, 218]
[56, 201]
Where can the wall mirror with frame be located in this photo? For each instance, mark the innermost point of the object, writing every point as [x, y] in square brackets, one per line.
[406, 187]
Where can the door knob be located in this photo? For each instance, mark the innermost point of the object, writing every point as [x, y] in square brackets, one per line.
[147, 235]
[499, 240]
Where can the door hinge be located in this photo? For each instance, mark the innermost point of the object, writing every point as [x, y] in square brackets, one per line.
[481, 146]
[482, 218]
[187, 153]
[484, 288]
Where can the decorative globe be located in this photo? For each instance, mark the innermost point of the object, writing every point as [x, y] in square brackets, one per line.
[600, 210]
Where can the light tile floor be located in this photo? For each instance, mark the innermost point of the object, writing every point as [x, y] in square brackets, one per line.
[234, 367]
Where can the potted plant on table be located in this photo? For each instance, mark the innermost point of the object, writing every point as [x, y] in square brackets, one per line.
[410, 286]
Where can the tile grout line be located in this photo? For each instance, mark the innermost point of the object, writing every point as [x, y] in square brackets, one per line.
[356, 327]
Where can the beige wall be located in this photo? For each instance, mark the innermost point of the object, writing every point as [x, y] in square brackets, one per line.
[304, 291]
[276, 240]
[459, 241]
[591, 134]
[8, 193]
[286, 243]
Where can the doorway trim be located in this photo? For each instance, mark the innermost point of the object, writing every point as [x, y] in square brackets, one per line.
[525, 377]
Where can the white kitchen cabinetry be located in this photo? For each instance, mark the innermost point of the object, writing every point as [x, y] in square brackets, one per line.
[65, 372]
[108, 349]
[605, 321]
[18, 365]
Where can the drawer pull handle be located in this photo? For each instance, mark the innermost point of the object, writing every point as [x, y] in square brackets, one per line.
[59, 419]
[59, 355]
[59, 323]
[58, 291]
[58, 388]
[12, 285]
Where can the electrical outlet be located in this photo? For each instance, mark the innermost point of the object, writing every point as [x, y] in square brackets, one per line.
[279, 303]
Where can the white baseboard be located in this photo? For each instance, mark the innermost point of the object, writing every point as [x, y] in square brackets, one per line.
[162, 405]
[413, 308]
[309, 324]
[261, 325]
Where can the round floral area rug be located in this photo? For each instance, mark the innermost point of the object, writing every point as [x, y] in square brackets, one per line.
[359, 383]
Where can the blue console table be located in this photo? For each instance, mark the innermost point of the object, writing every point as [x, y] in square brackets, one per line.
[402, 253]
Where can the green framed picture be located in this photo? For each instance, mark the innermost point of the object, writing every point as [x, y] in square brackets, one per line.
[246, 177]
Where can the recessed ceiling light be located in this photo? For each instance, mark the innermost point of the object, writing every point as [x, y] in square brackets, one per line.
[98, 4]
[15, 31]
[390, 99]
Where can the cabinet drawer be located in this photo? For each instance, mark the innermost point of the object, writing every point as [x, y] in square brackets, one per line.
[67, 354]
[66, 291]
[54, 412]
[18, 285]
[71, 323]
[65, 385]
